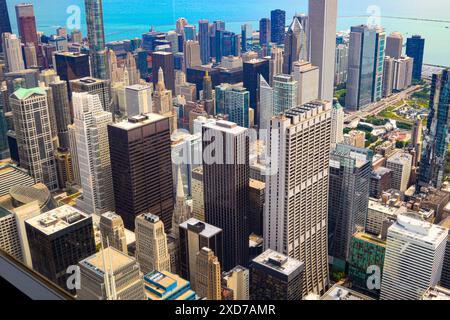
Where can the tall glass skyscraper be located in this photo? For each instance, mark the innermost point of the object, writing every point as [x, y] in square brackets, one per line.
[264, 31]
[5, 24]
[415, 47]
[361, 63]
[203, 38]
[96, 37]
[278, 23]
[435, 144]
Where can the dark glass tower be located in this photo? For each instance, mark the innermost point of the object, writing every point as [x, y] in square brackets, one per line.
[252, 70]
[59, 239]
[165, 61]
[264, 31]
[278, 23]
[203, 37]
[96, 37]
[350, 172]
[5, 24]
[415, 47]
[226, 44]
[71, 66]
[62, 111]
[226, 188]
[141, 168]
[435, 145]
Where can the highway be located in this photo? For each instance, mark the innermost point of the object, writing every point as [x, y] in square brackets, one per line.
[379, 106]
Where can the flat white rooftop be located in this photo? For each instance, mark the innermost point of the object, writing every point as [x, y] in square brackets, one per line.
[129, 125]
[57, 219]
[418, 229]
[225, 126]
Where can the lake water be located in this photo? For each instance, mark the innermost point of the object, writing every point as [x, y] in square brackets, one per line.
[130, 18]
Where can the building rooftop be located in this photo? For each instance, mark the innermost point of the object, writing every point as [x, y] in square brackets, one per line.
[11, 175]
[436, 293]
[138, 87]
[202, 228]
[57, 219]
[418, 230]
[106, 260]
[369, 238]
[167, 286]
[278, 262]
[256, 184]
[386, 209]
[401, 158]
[23, 93]
[225, 126]
[338, 292]
[138, 121]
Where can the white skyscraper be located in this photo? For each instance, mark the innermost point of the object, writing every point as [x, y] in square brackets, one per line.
[322, 35]
[307, 77]
[13, 52]
[91, 134]
[296, 215]
[414, 257]
[337, 124]
[138, 99]
[34, 135]
[266, 108]
[151, 244]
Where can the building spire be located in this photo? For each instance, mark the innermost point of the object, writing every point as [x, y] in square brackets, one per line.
[181, 212]
[160, 86]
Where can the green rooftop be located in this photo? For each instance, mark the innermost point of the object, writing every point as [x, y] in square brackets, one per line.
[23, 93]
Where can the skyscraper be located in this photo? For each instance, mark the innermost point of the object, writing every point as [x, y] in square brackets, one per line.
[297, 190]
[266, 103]
[141, 168]
[275, 63]
[388, 76]
[238, 280]
[394, 45]
[252, 70]
[350, 170]
[435, 145]
[138, 99]
[13, 52]
[164, 60]
[195, 235]
[208, 278]
[97, 87]
[72, 65]
[5, 24]
[110, 275]
[96, 38]
[226, 188]
[226, 44]
[296, 43]
[233, 100]
[62, 111]
[377, 90]
[284, 93]
[278, 23]
[400, 163]
[113, 231]
[307, 77]
[203, 38]
[34, 135]
[192, 54]
[26, 23]
[361, 69]
[414, 257]
[59, 239]
[151, 244]
[90, 124]
[264, 31]
[277, 277]
[415, 47]
[322, 39]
